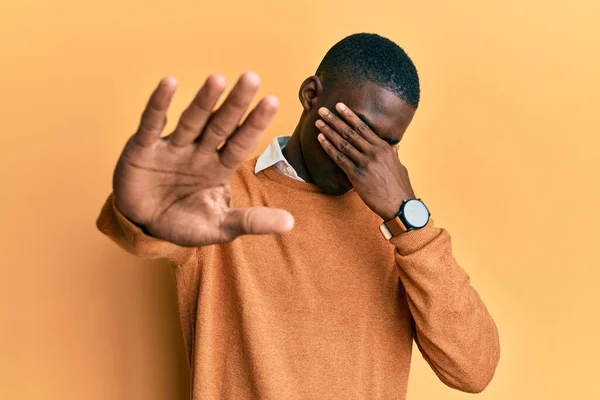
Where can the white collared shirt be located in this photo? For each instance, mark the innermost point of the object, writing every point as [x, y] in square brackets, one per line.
[274, 156]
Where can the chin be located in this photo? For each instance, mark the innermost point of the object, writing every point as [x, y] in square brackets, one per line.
[329, 177]
[335, 191]
[335, 187]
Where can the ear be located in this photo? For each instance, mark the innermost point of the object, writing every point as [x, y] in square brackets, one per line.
[309, 93]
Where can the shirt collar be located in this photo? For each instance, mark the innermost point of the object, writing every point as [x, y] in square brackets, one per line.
[272, 154]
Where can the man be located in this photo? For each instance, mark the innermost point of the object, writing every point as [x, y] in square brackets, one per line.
[313, 302]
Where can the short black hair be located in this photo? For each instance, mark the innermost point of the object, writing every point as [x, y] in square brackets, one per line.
[368, 57]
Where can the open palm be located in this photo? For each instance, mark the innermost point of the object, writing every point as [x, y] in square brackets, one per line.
[178, 187]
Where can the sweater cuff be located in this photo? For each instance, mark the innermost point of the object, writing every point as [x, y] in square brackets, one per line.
[412, 241]
[133, 239]
[132, 232]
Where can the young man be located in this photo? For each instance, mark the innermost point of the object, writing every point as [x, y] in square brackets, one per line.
[307, 272]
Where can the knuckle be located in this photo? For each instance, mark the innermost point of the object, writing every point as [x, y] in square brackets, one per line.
[255, 124]
[391, 151]
[382, 147]
[362, 129]
[370, 154]
[236, 145]
[348, 133]
[218, 130]
[340, 157]
[344, 145]
[184, 125]
[195, 107]
[151, 119]
[247, 221]
[238, 104]
[151, 126]
[152, 112]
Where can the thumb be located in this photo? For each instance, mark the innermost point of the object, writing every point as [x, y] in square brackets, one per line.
[257, 220]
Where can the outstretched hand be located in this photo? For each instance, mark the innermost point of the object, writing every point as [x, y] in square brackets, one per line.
[178, 187]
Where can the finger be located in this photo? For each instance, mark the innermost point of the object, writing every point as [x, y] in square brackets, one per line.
[246, 137]
[340, 143]
[344, 130]
[154, 116]
[194, 118]
[338, 157]
[257, 220]
[226, 119]
[357, 124]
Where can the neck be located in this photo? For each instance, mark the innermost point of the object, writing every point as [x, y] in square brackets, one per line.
[293, 154]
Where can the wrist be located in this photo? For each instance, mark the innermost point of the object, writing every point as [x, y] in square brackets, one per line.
[412, 215]
[393, 210]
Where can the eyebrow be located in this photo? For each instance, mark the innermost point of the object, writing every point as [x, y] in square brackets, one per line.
[368, 123]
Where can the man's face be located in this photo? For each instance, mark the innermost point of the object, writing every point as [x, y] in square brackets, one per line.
[385, 113]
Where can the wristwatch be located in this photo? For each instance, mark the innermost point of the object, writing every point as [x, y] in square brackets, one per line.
[413, 215]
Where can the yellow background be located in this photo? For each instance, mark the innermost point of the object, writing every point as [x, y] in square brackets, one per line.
[504, 150]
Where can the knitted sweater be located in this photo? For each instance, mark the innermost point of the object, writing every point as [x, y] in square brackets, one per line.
[328, 310]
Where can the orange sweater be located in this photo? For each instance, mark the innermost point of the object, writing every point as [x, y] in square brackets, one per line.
[326, 311]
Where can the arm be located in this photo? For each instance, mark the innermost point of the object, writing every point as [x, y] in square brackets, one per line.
[178, 187]
[454, 330]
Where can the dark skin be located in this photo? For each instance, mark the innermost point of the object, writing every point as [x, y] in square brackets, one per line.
[374, 120]
[177, 187]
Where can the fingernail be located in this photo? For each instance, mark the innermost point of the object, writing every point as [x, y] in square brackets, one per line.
[320, 123]
[323, 111]
[341, 106]
[321, 137]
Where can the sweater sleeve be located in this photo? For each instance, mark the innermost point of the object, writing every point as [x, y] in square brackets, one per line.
[131, 237]
[454, 331]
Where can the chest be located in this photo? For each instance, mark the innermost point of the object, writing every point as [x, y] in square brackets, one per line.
[319, 268]
[334, 257]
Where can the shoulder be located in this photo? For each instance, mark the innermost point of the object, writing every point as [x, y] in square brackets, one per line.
[244, 181]
[245, 172]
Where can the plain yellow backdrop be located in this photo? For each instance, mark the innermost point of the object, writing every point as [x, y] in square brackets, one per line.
[504, 150]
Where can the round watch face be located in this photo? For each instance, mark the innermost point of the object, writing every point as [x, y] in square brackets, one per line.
[415, 213]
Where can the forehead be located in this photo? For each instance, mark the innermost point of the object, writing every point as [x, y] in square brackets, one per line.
[387, 114]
